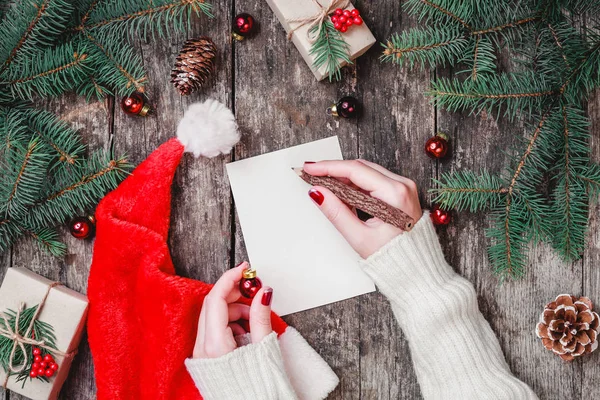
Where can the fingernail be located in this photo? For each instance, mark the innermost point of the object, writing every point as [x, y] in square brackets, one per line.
[309, 162]
[316, 196]
[240, 264]
[267, 297]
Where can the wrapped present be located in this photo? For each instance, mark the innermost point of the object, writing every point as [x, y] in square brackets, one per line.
[308, 24]
[41, 323]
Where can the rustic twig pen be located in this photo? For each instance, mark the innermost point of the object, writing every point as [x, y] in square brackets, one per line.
[360, 200]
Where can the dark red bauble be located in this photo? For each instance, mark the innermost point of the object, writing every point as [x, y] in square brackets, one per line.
[243, 26]
[83, 227]
[439, 216]
[250, 284]
[346, 107]
[135, 104]
[437, 146]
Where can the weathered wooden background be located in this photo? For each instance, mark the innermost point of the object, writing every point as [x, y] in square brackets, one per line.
[278, 104]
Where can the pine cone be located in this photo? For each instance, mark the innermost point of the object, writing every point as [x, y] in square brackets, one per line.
[194, 65]
[569, 327]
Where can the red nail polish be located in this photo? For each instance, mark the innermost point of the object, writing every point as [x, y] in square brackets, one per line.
[309, 162]
[316, 196]
[267, 297]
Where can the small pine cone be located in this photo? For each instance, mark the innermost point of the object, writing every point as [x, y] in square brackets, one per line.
[569, 327]
[194, 65]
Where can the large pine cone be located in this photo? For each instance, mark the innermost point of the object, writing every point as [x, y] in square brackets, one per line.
[569, 327]
[194, 65]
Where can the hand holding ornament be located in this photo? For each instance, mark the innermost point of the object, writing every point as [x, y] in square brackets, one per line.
[218, 323]
[365, 237]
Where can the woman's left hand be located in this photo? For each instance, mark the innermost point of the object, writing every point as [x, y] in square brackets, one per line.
[217, 325]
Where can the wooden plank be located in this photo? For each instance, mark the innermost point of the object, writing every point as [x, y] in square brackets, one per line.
[396, 122]
[590, 365]
[279, 104]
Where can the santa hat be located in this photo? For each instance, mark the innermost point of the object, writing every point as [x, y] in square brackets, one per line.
[143, 318]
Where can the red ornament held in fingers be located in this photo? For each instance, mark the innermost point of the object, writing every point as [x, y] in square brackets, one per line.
[250, 284]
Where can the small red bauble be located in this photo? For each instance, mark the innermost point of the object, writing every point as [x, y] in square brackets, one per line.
[37, 351]
[437, 146]
[439, 216]
[83, 227]
[135, 104]
[250, 284]
[346, 107]
[344, 19]
[243, 26]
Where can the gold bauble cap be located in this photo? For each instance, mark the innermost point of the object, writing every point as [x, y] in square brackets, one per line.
[249, 273]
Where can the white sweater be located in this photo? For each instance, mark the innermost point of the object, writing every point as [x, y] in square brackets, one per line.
[454, 351]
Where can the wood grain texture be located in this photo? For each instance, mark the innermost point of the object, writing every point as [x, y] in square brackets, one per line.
[279, 104]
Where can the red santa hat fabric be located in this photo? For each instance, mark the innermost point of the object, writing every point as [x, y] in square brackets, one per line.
[143, 318]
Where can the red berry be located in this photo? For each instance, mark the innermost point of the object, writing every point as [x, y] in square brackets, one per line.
[54, 366]
[349, 22]
[33, 373]
[337, 25]
[344, 28]
[49, 372]
[355, 13]
[37, 359]
[41, 371]
[343, 19]
[347, 13]
[48, 358]
[44, 364]
[358, 21]
[334, 19]
[37, 351]
[338, 12]
[36, 366]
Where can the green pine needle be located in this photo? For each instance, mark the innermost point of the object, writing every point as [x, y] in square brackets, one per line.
[330, 49]
[465, 190]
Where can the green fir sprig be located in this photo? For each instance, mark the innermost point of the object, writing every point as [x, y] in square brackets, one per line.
[48, 47]
[546, 190]
[330, 49]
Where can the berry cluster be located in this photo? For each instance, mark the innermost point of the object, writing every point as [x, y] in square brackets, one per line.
[42, 365]
[344, 19]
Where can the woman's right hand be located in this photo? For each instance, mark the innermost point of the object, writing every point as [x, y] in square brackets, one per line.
[365, 237]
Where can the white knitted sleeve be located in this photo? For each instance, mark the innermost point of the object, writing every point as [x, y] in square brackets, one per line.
[454, 351]
[255, 371]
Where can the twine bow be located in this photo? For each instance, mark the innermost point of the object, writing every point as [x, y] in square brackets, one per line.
[317, 19]
[19, 341]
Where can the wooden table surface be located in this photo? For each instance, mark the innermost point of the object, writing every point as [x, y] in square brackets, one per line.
[278, 104]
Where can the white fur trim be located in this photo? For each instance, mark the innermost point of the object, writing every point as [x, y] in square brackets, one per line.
[208, 129]
[311, 377]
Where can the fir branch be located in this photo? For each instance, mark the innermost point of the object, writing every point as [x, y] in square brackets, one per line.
[48, 240]
[515, 92]
[558, 42]
[465, 190]
[415, 8]
[115, 17]
[514, 24]
[330, 50]
[508, 241]
[425, 46]
[31, 26]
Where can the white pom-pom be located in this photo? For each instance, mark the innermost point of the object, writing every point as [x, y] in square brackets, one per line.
[208, 129]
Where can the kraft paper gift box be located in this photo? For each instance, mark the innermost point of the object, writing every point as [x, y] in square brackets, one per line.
[358, 37]
[64, 309]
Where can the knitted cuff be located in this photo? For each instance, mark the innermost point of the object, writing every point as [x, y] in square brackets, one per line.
[410, 266]
[254, 371]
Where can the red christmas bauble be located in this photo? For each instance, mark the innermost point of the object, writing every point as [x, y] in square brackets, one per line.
[243, 26]
[439, 216]
[437, 146]
[83, 227]
[135, 104]
[346, 107]
[250, 284]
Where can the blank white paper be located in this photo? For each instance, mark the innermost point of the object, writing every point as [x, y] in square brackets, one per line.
[290, 243]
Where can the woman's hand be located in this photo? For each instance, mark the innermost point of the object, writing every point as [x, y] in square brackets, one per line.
[218, 323]
[365, 237]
